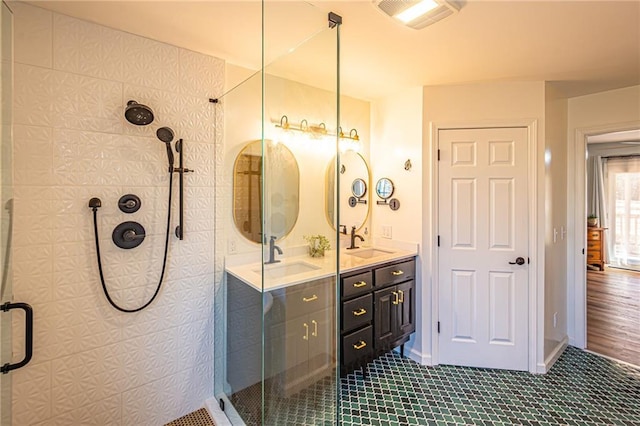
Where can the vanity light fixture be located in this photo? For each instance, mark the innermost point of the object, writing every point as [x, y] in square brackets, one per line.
[418, 14]
[316, 129]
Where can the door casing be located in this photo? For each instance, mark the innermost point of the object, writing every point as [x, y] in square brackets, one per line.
[536, 241]
[577, 212]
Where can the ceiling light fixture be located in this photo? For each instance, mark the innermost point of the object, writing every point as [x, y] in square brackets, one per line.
[418, 14]
[418, 9]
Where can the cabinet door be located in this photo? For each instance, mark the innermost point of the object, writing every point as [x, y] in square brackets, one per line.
[296, 346]
[321, 341]
[384, 317]
[406, 308]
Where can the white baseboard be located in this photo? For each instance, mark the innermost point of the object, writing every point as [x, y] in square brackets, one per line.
[419, 357]
[543, 368]
[218, 416]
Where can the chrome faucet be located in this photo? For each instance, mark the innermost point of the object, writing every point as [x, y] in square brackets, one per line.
[272, 249]
[353, 239]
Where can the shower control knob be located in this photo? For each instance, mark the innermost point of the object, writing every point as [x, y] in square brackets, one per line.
[128, 235]
[129, 203]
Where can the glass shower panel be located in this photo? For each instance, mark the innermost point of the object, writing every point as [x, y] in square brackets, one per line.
[238, 297]
[6, 204]
[275, 305]
[299, 250]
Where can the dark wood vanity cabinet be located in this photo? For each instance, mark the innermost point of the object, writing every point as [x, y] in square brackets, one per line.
[378, 311]
[300, 335]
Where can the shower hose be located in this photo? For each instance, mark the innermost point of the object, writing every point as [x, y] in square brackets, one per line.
[164, 260]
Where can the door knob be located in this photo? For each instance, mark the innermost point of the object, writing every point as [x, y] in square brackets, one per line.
[519, 261]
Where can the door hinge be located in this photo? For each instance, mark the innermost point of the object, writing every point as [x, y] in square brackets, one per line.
[528, 260]
[583, 250]
[438, 155]
[438, 327]
[438, 240]
[221, 404]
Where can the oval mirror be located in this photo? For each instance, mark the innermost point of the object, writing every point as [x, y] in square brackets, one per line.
[281, 190]
[354, 179]
[384, 188]
[358, 188]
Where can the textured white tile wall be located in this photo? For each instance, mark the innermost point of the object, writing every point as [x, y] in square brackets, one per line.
[93, 364]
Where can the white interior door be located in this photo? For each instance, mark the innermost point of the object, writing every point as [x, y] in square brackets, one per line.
[483, 230]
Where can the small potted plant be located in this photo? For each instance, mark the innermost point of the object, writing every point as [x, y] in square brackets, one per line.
[592, 220]
[317, 245]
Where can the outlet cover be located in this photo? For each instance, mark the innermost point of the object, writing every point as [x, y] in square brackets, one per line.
[386, 231]
[231, 246]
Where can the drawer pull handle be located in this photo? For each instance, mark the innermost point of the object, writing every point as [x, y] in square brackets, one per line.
[401, 296]
[395, 302]
[359, 284]
[306, 331]
[361, 344]
[397, 273]
[315, 328]
[362, 311]
[310, 299]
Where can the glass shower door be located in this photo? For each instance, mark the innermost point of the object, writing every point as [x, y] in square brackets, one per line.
[6, 206]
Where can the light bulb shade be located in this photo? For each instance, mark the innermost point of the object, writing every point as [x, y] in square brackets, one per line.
[418, 14]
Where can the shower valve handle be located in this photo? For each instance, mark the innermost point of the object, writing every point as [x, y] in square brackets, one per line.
[131, 235]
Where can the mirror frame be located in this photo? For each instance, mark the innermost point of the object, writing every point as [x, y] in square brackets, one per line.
[364, 191]
[367, 194]
[393, 188]
[233, 190]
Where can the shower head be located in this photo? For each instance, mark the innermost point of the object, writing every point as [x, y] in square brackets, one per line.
[138, 114]
[165, 134]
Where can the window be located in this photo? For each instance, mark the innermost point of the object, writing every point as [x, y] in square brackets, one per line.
[623, 187]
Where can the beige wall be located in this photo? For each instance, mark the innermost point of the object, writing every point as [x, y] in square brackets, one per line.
[606, 111]
[487, 104]
[555, 160]
[396, 136]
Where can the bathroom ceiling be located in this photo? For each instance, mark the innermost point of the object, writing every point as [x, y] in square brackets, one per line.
[582, 46]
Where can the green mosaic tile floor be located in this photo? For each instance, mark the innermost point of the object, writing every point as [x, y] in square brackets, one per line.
[581, 389]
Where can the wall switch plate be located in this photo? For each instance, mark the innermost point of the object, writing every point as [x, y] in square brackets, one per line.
[386, 231]
[555, 319]
[231, 246]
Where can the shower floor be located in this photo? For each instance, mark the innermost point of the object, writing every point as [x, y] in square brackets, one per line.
[197, 418]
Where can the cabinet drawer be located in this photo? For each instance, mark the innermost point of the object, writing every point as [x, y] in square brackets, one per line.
[593, 235]
[395, 273]
[593, 255]
[357, 284]
[357, 312]
[357, 345]
[594, 245]
[307, 298]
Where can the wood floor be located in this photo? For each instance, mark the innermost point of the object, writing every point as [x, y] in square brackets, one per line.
[613, 314]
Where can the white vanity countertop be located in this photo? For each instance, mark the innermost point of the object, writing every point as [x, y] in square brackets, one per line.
[298, 269]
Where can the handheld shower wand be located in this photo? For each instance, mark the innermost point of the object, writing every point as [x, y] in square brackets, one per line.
[166, 135]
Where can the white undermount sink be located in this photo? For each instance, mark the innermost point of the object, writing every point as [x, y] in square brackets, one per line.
[368, 253]
[286, 269]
